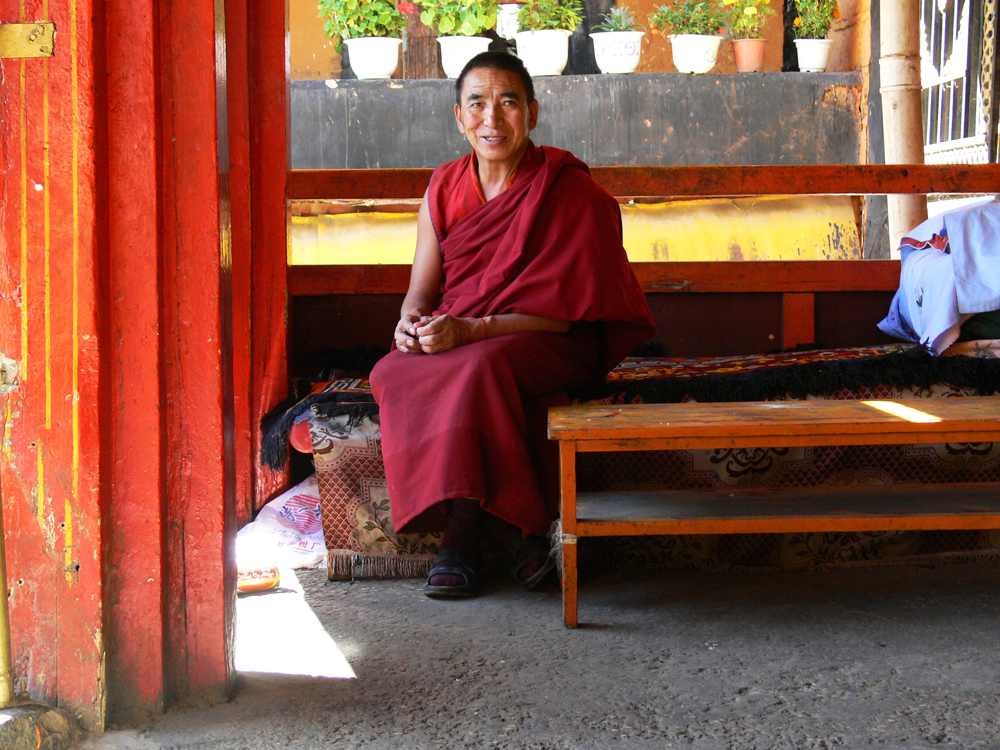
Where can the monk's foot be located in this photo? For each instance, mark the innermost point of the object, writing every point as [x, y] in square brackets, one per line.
[531, 561]
[453, 576]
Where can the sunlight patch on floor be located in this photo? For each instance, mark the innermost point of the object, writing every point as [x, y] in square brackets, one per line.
[278, 633]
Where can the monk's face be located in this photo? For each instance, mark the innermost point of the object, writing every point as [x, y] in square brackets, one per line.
[495, 116]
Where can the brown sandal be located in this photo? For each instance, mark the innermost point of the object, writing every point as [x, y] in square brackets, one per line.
[525, 552]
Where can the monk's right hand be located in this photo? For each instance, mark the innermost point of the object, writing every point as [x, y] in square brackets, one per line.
[406, 333]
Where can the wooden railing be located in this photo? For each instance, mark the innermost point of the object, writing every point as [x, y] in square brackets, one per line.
[681, 182]
[798, 282]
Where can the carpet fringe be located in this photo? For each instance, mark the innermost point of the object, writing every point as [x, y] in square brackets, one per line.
[348, 565]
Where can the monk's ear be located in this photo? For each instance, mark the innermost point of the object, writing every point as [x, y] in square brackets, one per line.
[458, 119]
[532, 114]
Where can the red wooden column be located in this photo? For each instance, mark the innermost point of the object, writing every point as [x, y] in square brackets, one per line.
[168, 347]
[238, 100]
[135, 412]
[116, 296]
[199, 499]
[51, 453]
[268, 73]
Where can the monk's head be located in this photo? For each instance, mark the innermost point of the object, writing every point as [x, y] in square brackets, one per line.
[495, 110]
[496, 61]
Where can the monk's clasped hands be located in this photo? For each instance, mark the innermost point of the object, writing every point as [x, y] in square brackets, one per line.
[433, 335]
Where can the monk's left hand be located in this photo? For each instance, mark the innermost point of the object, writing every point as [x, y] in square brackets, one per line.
[445, 332]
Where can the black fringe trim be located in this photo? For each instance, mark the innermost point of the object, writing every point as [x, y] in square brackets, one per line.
[276, 425]
[910, 366]
[275, 430]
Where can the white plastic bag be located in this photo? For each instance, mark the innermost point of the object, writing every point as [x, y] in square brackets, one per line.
[288, 532]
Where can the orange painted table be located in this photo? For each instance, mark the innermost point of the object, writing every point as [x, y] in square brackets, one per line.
[772, 424]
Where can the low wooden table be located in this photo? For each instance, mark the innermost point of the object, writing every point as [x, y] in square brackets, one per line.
[772, 424]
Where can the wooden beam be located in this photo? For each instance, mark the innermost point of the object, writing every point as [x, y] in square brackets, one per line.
[782, 276]
[682, 182]
[776, 276]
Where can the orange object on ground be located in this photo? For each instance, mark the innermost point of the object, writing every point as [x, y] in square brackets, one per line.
[258, 579]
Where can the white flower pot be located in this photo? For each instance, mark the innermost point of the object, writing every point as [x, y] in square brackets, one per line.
[617, 51]
[814, 54]
[456, 51]
[507, 23]
[545, 52]
[694, 53]
[373, 56]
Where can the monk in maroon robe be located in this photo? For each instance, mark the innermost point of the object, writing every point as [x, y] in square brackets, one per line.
[520, 289]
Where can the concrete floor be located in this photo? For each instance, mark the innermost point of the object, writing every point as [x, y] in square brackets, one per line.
[904, 656]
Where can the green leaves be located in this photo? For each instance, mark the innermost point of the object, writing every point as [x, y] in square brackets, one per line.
[350, 19]
[747, 17]
[689, 17]
[469, 18]
[550, 14]
[814, 18]
[619, 19]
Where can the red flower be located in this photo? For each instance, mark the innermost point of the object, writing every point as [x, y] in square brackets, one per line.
[407, 8]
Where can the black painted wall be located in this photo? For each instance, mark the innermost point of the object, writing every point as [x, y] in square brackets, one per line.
[639, 119]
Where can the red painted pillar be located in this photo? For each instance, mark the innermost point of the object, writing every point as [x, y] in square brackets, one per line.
[50, 421]
[171, 403]
[238, 99]
[196, 259]
[135, 408]
[268, 71]
[117, 285]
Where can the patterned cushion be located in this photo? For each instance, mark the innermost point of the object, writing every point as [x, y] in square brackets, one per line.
[361, 540]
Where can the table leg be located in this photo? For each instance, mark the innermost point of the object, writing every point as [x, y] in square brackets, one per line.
[569, 581]
[567, 515]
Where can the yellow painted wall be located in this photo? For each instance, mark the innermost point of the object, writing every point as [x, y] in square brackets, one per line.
[313, 56]
[802, 228]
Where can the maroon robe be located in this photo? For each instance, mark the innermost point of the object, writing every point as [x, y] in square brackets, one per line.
[470, 422]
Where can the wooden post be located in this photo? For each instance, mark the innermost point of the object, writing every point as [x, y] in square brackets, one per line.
[899, 66]
[567, 541]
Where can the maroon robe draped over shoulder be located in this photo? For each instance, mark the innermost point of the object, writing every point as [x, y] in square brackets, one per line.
[470, 422]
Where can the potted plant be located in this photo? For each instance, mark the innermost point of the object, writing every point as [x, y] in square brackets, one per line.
[371, 29]
[746, 24]
[543, 41]
[618, 41]
[811, 27]
[694, 27]
[459, 25]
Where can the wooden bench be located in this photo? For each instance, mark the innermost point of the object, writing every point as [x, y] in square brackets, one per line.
[645, 427]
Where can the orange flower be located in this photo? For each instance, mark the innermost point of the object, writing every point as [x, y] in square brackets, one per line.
[798, 22]
[836, 12]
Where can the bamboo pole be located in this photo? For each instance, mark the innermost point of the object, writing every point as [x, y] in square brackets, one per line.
[899, 68]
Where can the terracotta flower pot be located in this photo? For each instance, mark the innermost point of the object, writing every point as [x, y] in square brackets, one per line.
[749, 55]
